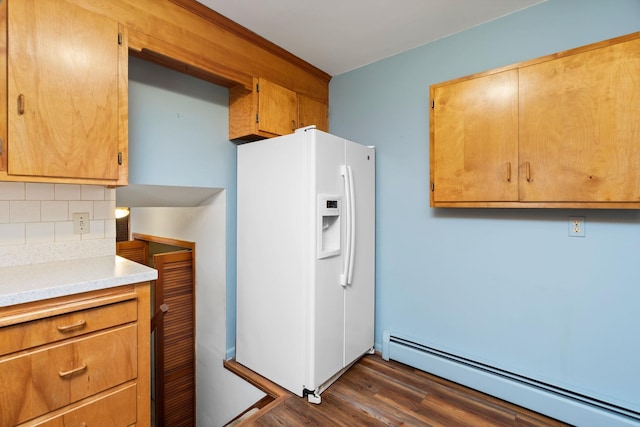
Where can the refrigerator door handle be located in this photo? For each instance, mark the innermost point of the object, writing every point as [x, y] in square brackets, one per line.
[352, 220]
[347, 240]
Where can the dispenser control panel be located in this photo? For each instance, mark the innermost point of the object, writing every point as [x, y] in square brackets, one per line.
[328, 223]
[332, 204]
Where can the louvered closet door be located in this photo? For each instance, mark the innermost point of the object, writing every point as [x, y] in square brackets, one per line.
[134, 250]
[175, 340]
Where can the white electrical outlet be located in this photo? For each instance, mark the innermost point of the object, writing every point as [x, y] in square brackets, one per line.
[81, 223]
[576, 226]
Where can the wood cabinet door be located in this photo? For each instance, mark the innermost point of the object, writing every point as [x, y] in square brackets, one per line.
[175, 339]
[580, 127]
[474, 139]
[312, 112]
[277, 108]
[134, 250]
[62, 91]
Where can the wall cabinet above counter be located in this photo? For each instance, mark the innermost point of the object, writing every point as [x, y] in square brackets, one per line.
[64, 107]
[557, 131]
[66, 96]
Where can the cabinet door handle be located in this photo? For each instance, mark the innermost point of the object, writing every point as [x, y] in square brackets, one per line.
[528, 171]
[509, 172]
[77, 325]
[67, 374]
[293, 125]
[20, 104]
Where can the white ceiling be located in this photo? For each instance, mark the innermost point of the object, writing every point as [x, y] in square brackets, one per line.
[341, 35]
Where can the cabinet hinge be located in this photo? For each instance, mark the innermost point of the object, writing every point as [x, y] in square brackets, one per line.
[120, 158]
[119, 38]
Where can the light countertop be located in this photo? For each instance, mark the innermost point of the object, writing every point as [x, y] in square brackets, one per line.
[34, 282]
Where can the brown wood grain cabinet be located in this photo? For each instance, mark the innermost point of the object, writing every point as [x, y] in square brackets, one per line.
[64, 109]
[173, 325]
[475, 135]
[558, 131]
[265, 111]
[313, 112]
[77, 359]
[269, 110]
[66, 85]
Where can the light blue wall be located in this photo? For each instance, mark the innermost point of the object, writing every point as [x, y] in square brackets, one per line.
[179, 136]
[178, 129]
[507, 287]
[503, 286]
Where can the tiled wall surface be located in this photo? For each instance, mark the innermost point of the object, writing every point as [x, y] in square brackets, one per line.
[36, 222]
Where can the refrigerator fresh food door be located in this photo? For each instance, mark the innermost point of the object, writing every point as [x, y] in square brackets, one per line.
[360, 287]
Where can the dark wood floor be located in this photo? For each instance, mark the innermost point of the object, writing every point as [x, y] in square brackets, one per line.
[379, 393]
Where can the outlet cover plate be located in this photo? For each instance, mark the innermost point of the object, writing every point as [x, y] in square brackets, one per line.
[576, 226]
[81, 223]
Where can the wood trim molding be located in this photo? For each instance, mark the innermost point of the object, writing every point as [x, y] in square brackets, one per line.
[222, 21]
[3, 87]
[164, 240]
[180, 59]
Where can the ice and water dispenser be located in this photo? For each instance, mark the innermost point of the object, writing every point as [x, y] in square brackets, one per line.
[329, 207]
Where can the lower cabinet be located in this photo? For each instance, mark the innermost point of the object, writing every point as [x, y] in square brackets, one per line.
[77, 361]
[117, 408]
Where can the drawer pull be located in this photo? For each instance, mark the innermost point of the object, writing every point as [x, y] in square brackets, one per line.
[72, 372]
[21, 104]
[67, 328]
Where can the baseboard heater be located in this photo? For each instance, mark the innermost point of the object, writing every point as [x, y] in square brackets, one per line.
[560, 403]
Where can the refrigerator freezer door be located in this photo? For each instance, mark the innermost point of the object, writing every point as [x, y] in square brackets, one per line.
[273, 246]
[325, 345]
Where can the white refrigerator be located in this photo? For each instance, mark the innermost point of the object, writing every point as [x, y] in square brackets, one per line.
[305, 258]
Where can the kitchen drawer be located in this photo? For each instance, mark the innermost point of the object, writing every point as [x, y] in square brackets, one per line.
[48, 330]
[115, 409]
[45, 379]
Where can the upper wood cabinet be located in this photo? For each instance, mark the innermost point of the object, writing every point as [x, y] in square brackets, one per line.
[475, 130]
[580, 126]
[312, 112]
[66, 95]
[64, 100]
[558, 131]
[270, 110]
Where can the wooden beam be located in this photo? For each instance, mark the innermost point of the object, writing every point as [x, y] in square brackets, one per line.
[187, 36]
[237, 29]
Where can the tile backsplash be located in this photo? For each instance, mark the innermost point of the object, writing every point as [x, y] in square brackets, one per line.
[36, 222]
